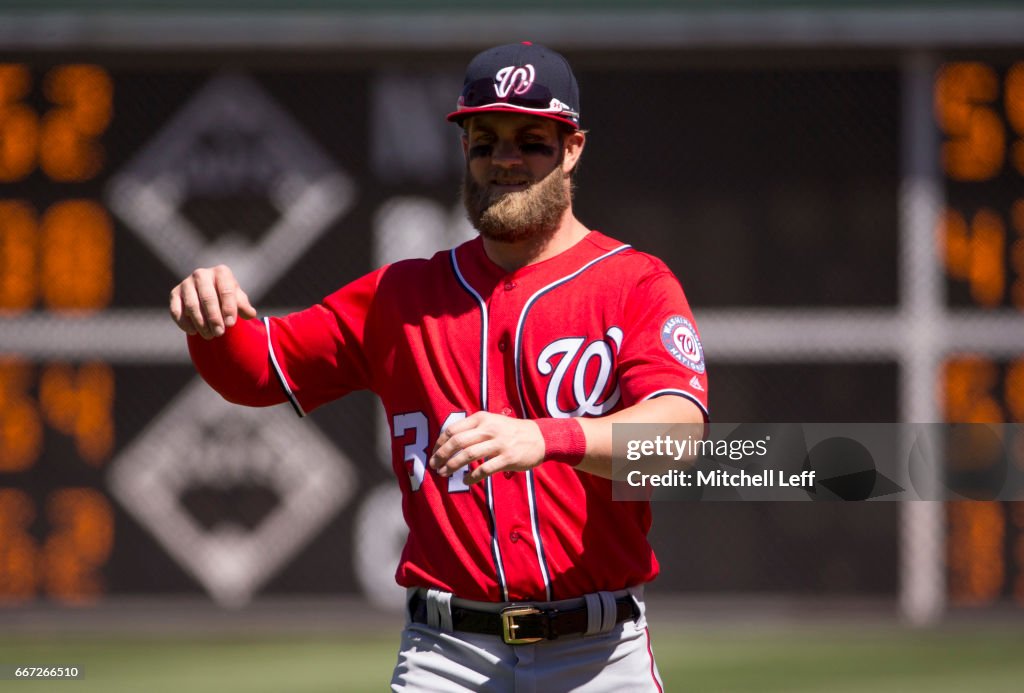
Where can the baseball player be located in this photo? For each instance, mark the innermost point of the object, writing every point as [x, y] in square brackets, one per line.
[502, 365]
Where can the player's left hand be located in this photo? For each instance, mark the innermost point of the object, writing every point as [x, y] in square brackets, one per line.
[504, 443]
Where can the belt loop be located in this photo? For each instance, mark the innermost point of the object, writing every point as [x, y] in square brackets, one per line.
[411, 593]
[608, 611]
[444, 610]
[593, 614]
[439, 610]
[433, 615]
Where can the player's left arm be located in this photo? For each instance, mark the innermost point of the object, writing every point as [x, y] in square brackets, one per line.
[508, 444]
[667, 409]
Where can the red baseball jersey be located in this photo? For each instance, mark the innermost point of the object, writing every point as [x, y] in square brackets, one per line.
[595, 329]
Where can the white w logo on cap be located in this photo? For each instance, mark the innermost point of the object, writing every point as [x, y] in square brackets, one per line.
[514, 79]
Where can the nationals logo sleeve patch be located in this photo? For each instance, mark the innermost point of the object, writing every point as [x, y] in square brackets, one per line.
[681, 340]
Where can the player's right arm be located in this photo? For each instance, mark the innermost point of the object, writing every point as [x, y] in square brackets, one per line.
[228, 350]
[309, 357]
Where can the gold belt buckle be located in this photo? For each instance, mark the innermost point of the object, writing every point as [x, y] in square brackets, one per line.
[508, 627]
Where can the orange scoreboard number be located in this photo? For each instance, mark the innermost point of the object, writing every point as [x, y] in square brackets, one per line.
[66, 564]
[63, 141]
[58, 259]
[64, 260]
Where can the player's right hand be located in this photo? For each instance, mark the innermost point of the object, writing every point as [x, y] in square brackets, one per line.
[209, 301]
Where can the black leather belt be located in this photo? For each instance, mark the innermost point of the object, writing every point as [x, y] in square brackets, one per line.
[521, 625]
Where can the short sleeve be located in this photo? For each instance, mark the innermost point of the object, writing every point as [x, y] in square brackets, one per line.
[320, 354]
[661, 350]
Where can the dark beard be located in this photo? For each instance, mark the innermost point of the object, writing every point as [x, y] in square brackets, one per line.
[515, 216]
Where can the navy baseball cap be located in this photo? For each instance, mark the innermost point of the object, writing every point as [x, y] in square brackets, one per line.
[520, 78]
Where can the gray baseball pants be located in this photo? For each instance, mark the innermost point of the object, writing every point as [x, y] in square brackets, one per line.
[612, 658]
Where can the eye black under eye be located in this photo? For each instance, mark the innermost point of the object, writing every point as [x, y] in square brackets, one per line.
[537, 148]
[480, 150]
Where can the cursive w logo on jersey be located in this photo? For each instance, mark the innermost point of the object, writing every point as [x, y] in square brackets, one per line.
[588, 394]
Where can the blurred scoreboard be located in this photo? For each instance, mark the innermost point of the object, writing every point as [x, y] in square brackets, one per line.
[979, 108]
[56, 256]
[767, 182]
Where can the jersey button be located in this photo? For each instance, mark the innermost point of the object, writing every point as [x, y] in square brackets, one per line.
[514, 537]
[509, 285]
[507, 411]
[502, 344]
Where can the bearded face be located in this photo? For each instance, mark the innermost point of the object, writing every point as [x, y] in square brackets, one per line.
[515, 215]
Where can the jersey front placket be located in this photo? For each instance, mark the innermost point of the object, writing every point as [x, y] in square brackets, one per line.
[516, 536]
